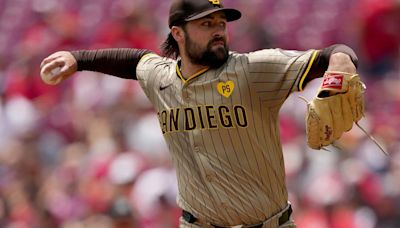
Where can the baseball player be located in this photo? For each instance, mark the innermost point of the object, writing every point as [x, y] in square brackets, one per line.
[218, 110]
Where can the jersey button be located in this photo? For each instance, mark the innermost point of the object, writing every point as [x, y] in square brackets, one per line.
[185, 95]
[224, 205]
[209, 177]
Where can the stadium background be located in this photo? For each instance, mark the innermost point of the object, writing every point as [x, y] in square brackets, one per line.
[88, 153]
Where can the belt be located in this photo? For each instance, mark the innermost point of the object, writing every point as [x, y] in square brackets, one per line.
[190, 218]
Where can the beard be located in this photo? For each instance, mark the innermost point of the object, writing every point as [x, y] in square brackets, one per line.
[214, 58]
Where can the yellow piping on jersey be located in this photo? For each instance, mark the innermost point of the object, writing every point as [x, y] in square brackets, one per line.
[178, 71]
[307, 70]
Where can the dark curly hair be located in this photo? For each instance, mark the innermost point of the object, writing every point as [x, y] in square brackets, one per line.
[169, 48]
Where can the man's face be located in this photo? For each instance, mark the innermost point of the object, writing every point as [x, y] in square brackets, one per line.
[206, 40]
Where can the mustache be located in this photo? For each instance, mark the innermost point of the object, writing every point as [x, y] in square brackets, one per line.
[217, 39]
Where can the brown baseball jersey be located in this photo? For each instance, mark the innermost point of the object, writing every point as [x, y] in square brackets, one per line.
[222, 129]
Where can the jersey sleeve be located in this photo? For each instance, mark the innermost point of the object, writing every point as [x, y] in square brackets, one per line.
[152, 71]
[278, 72]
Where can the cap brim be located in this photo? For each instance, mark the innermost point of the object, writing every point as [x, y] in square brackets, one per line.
[231, 14]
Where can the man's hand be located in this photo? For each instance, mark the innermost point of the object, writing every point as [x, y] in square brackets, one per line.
[341, 62]
[57, 67]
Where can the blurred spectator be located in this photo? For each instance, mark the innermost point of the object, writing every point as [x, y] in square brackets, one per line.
[379, 35]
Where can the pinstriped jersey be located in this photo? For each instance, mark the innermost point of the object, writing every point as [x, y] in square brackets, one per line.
[222, 129]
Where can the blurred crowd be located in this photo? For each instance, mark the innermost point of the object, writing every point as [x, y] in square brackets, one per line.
[89, 152]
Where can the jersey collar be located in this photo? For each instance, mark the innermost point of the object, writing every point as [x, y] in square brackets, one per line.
[185, 81]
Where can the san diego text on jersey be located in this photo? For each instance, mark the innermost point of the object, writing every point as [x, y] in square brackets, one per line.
[202, 117]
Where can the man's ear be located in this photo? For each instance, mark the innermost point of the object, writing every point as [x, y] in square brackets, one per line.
[178, 34]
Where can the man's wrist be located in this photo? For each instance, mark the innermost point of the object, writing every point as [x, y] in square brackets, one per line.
[341, 62]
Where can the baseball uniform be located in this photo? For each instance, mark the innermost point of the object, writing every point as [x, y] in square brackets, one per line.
[222, 129]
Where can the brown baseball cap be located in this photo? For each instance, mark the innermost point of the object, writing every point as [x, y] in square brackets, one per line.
[187, 10]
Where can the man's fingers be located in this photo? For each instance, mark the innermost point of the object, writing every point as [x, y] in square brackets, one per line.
[55, 56]
[50, 58]
[45, 61]
[47, 68]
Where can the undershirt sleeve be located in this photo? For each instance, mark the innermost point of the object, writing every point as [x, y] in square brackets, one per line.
[119, 62]
[321, 61]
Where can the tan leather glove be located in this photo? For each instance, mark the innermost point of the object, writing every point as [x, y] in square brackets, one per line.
[339, 103]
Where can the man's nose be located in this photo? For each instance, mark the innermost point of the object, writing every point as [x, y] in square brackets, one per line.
[219, 30]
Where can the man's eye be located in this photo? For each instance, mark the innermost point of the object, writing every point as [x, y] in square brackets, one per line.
[207, 23]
